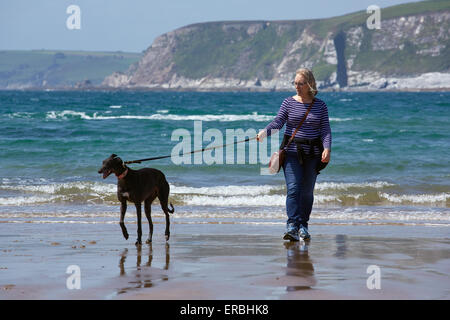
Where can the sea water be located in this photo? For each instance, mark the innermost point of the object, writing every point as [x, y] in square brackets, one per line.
[389, 161]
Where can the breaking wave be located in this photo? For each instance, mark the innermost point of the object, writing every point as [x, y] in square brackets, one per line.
[326, 193]
[161, 114]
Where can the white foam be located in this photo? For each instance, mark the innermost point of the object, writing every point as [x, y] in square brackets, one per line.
[249, 215]
[58, 192]
[65, 113]
[267, 200]
[19, 201]
[161, 116]
[344, 119]
[231, 190]
[58, 188]
[267, 189]
[324, 186]
[416, 198]
[273, 200]
[25, 115]
[357, 214]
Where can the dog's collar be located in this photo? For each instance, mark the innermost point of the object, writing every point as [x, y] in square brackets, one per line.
[123, 174]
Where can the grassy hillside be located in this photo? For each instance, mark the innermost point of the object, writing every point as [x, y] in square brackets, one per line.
[213, 50]
[60, 68]
[322, 26]
[206, 50]
[219, 50]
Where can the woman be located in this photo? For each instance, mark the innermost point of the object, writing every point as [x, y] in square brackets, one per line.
[311, 146]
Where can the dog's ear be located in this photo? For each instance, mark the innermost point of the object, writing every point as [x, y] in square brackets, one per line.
[120, 161]
[113, 155]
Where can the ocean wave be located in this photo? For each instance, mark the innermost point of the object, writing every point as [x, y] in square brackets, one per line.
[64, 188]
[358, 214]
[240, 215]
[31, 200]
[416, 198]
[275, 200]
[248, 201]
[326, 193]
[88, 192]
[23, 115]
[344, 119]
[161, 115]
[227, 190]
[323, 186]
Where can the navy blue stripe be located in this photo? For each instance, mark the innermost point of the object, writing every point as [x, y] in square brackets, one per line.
[317, 124]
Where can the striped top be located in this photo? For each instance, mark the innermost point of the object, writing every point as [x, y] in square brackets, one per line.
[317, 124]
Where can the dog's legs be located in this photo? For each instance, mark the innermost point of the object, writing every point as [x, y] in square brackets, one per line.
[123, 209]
[139, 223]
[148, 214]
[167, 233]
[163, 197]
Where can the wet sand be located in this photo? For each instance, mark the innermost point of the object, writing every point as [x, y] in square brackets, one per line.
[224, 261]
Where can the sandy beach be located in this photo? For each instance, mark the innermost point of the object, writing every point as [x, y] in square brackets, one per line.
[224, 261]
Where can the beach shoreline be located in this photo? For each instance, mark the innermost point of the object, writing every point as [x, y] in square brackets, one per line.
[224, 261]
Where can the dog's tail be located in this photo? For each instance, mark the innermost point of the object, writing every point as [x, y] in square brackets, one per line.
[171, 211]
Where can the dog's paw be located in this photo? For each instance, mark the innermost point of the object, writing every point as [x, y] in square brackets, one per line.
[148, 241]
[138, 243]
[125, 235]
[167, 237]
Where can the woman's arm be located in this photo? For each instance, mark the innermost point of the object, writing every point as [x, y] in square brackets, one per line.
[276, 123]
[325, 133]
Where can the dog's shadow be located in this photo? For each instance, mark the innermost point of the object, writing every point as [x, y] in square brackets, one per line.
[145, 275]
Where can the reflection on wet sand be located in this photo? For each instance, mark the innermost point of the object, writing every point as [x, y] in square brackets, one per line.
[341, 246]
[300, 269]
[144, 277]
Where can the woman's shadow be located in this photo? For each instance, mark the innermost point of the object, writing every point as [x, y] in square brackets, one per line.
[300, 269]
[144, 277]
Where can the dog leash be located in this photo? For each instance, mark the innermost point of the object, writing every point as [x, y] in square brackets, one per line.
[202, 150]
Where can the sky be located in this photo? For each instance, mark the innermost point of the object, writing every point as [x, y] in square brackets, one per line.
[132, 25]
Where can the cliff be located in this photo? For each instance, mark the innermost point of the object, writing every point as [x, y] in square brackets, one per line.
[409, 51]
[41, 69]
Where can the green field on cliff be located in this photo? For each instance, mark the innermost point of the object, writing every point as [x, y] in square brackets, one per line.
[38, 68]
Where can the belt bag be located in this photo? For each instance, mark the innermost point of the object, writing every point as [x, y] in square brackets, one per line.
[277, 159]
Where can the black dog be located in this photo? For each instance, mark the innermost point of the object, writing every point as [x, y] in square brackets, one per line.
[138, 186]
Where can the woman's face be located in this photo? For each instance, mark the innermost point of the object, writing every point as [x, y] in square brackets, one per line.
[301, 86]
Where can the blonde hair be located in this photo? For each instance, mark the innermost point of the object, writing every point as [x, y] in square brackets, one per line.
[310, 80]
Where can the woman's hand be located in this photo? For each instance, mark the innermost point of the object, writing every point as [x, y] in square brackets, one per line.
[261, 135]
[326, 155]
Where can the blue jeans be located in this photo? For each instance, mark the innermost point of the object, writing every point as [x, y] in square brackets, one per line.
[300, 182]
